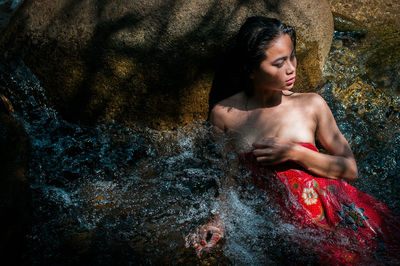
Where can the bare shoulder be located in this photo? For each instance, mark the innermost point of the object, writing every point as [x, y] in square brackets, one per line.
[323, 114]
[310, 99]
[307, 96]
[223, 111]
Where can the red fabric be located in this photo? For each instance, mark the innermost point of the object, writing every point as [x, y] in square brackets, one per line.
[347, 225]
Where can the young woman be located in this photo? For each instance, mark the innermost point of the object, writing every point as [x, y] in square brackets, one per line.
[274, 119]
[278, 127]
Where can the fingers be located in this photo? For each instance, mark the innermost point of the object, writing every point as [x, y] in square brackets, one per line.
[211, 236]
[261, 144]
[265, 160]
[261, 152]
[202, 245]
[213, 241]
[205, 237]
[273, 154]
[264, 155]
[194, 241]
[214, 230]
[268, 160]
[267, 142]
[199, 250]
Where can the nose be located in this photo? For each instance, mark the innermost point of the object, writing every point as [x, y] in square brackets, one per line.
[291, 66]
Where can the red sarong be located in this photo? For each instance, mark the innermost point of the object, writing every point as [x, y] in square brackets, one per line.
[347, 225]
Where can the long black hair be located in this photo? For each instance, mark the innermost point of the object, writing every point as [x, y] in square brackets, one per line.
[253, 39]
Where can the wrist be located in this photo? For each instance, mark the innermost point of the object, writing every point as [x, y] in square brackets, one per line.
[294, 152]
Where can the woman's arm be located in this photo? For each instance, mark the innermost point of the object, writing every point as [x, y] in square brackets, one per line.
[338, 164]
[324, 165]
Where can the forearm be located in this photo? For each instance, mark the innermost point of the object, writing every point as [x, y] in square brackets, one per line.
[324, 165]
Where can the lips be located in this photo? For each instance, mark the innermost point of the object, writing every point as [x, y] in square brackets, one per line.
[291, 80]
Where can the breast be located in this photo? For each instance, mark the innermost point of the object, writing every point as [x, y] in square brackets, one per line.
[292, 125]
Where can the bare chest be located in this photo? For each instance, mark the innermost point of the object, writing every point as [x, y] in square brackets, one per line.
[294, 124]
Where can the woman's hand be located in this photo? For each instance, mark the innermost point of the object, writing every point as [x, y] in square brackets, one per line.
[272, 151]
[205, 237]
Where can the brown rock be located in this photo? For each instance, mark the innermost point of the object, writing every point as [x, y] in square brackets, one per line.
[346, 24]
[382, 42]
[382, 47]
[148, 62]
[314, 25]
[369, 12]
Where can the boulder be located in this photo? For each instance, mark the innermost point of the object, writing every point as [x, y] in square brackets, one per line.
[346, 24]
[313, 22]
[369, 12]
[382, 41]
[382, 49]
[148, 62]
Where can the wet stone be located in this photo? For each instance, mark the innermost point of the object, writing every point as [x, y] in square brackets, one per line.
[109, 194]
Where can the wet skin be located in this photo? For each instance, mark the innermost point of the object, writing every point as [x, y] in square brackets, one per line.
[274, 120]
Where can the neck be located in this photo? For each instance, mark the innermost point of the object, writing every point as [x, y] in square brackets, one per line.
[266, 98]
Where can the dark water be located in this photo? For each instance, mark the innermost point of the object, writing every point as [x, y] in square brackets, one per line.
[114, 195]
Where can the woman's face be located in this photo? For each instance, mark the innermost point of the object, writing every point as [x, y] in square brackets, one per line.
[278, 70]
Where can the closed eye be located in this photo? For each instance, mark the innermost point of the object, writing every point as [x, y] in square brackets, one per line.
[280, 64]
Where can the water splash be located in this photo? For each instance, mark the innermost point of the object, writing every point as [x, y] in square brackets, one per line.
[111, 194]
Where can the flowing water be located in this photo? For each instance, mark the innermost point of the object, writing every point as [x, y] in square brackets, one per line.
[109, 194]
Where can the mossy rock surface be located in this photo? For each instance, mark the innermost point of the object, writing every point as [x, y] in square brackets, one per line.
[368, 12]
[382, 51]
[343, 23]
[148, 62]
[381, 45]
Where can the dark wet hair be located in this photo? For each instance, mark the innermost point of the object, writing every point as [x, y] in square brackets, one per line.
[245, 56]
[254, 38]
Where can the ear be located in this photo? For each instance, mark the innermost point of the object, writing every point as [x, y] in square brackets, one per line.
[251, 75]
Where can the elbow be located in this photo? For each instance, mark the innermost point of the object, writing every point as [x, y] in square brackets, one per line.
[353, 173]
[349, 171]
[353, 177]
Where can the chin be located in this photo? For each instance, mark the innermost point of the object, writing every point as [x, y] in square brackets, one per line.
[287, 88]
[290, 87]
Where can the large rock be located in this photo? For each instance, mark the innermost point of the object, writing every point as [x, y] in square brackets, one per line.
[148, 62]
[368, 12]
[382, 41]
